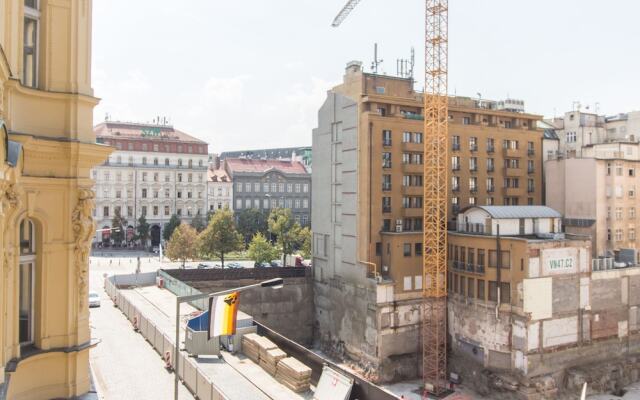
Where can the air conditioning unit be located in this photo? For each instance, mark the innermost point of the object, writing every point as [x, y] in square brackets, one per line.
[398, 222]
[398, 228]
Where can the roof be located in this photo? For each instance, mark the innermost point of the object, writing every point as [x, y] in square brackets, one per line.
[133, 130]
[274, 153]
[516, 212]
[262, 166]
[550, 134]
[218, 175]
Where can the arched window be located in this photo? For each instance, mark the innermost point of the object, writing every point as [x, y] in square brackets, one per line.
[166, 161]
[155, 161]
[179, 162]
[27, 282]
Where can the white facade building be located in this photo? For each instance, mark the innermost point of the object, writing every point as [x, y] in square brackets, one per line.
[219, 190]
[156, 171]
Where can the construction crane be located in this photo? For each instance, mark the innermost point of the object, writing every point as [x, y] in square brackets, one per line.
[436, 124]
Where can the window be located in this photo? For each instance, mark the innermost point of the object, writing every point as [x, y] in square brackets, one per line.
[618, 171]
[281, 187]
[167, 193]
[619, 235]
[493, 291]
[166, 161]
[386, 204]
[490, 185]
[129, 211]
[274, 187]
[118, 194]
[632, 191]
[406, 158]
[530, 148]
[386, 138]
[480, 265]
[166, 210]
[155, 210]
[179, 159]
[26, 296]
[632, 172]
[256, 187]
[632, 212]
[473, 164]
[155, 160]
[144, 177]
[144, 210]
[418, 249]
[455, 143]
[156, 177]
[417, 137]
[480, 291]
[30, 48]
[632, 234]
[144, 193]
[305, 188]
[571, 137]
[505, 259]
[407, 250]
[473, 143]
[455, 183]
[386, 160]
[530, 166]
[289, 187]
[238, 203]
[406, 137]
[473, 184]
[265, 187]
[491, 147]
[247, 186]
[179, 194]
[305, 203]
[466, 121]
[144, 160]
[386, 182]
[618, 213]
[239, 186]
[455, 163]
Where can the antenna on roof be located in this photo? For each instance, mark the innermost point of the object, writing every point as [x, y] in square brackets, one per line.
[376, 62]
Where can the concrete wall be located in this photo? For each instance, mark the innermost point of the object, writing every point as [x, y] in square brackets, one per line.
[288, 311]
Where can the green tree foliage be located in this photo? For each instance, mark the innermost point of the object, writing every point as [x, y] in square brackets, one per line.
[170, 226]
[198, 223]
[118, 228]
[250, 222]
[143, 230]
[183, 244]
[305, 242]
[260, 250]
[220, 237]
[286, 230]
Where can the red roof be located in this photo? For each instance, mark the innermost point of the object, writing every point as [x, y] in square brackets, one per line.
[218, 175]
[262, 166]
[132, 130]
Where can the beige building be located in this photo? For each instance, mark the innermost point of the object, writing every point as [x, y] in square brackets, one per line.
[597, 194]
[527, 306]
[368, 177]
[47, 150]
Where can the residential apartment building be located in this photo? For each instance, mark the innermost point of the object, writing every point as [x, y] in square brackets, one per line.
[597, 194]
[155, 171]
[527, 304]
[267, 184]
[368, 177]
[47, 148]
[219, 190]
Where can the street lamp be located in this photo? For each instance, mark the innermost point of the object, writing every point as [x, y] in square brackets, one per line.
[276, 283]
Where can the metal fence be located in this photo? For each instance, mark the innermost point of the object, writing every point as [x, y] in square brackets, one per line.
[601, 264]
[192, 376]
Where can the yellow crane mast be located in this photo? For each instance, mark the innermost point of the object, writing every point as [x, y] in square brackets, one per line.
[436, 125]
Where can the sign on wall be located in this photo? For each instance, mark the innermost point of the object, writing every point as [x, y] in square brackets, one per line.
[560, 261]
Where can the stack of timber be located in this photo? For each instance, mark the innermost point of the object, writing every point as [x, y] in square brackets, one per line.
[250, 347]
[269, 360]
[293, 374]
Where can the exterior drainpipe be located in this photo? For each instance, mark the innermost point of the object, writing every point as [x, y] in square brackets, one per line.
[498, 267]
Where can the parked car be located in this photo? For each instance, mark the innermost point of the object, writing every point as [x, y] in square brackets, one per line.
[94, 299]
[262, 265]
[203, 266]
[276, 263]
[234, 265]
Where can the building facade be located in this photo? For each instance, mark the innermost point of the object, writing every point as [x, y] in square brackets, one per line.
[219, 190]
[597, 194]
[47, 150]
[155, 171]
[527, 305]
[267, 184]
[368, 177]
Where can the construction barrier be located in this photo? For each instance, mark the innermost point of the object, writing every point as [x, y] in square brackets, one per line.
[193, 377]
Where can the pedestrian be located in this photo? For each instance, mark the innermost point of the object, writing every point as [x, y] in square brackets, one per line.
[138, 266]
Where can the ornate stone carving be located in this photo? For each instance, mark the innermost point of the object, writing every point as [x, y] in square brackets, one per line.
[9, 203]
[83, 231]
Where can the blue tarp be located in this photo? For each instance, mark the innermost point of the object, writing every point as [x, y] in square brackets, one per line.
[199, 323]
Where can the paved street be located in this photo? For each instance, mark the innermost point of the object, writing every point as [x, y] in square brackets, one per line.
[125, 366]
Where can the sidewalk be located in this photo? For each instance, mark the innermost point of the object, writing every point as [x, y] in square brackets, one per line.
[233, 375]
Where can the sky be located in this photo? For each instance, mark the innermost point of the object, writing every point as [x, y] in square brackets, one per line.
[246, 74]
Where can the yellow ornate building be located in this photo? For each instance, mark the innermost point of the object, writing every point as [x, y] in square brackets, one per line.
[47, 148]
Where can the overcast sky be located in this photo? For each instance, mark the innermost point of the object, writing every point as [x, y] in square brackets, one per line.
[245, 74]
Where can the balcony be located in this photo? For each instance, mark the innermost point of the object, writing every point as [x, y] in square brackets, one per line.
[531, 170]
[473, 148]
[473, 169]
[386, 209]
[386, 143]
[413, 168]
[455, 167]
[491, 150]
[386, 187]
[413, 190]
[511, 153]
[455, 147]
[491, 189]
[412, 212]
[510, 191]
[531, 189]
[412, 146]
[491, 169]
[473, 189]
[479, 269]
[470, 267]
[531, 153]
[455, 188]
[516, 172]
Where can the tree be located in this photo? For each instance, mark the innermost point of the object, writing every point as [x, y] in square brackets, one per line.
[260, 250]
[182, 244]
[220, 237]
[118, 228]
[250, 222]
[287, 231]
[169, 227]
[143, 230]
[198, 223]
[305, 242]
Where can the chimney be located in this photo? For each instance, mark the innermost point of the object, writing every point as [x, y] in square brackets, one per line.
[354, 67]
